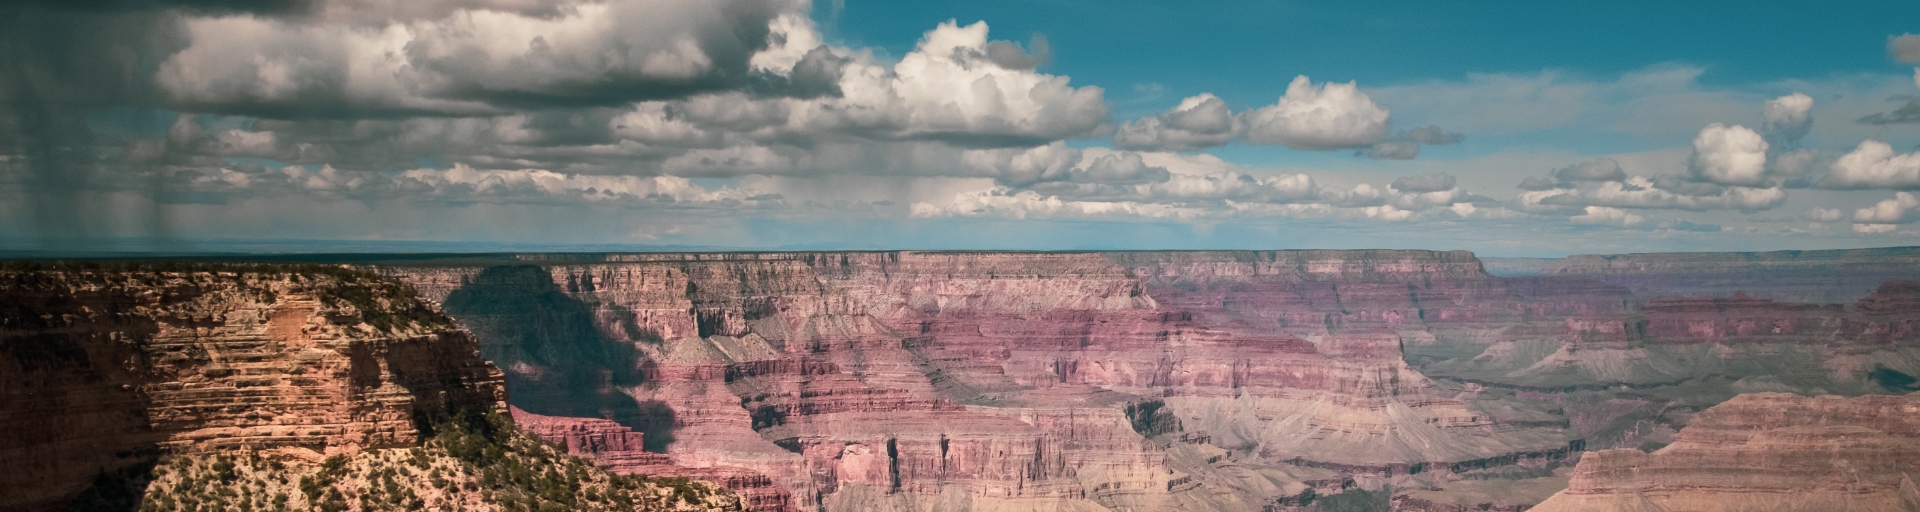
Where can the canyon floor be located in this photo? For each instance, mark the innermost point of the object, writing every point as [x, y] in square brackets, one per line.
[1052, 381]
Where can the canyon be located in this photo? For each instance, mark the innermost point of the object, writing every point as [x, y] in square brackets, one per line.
[213, 387]
[923, 381]
[1240, 380]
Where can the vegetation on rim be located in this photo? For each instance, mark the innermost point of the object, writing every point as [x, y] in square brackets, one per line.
[472, 462]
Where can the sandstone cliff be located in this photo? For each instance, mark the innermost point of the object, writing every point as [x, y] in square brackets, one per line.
[1765, 452]
[220, 387]
[104, 369]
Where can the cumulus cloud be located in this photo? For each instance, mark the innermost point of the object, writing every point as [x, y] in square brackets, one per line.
[1605, 215]
[1651, 193]
[1904, 48]
[1901, 209]
[469, 61]
[1328, 116]
[1730, 155]
[1604, 169]
[1198, 122]
[1690, 226]
[1789, 118]
[1874, 164]
[1308, 117]
[949, 89]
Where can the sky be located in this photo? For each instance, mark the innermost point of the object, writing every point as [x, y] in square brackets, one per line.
[1505, 128]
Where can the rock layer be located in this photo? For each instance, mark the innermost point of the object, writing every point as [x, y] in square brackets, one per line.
[1761, 452]
[925, 380]
[105, 369]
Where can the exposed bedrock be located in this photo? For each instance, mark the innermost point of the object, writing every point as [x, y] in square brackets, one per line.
[104, 370]
[917, 381]
[1139, 381]
[1765, 452]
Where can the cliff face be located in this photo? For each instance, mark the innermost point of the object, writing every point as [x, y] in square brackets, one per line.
[1764, 452]
[907, 380]
[102, 370]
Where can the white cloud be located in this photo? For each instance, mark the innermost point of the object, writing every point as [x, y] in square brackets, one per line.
[948, 89]
[1904, 48]
[1643, 192]
[1605, 215]
[1730, 155]
[1899, 210]
[1029, 204]
[1198, 122]
[1873, 164]
[1789, 117]
[1823, 214]
[1329, 116]
[1387, 212]
[948, 85]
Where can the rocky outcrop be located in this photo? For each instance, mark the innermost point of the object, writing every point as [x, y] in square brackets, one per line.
[1762, 452]
[622, 451]
[102, 369]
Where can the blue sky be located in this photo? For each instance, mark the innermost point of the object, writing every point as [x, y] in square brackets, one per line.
[1507, 128]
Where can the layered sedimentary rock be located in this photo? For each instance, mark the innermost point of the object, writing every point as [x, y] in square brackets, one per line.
[622, 450]
[917, 380]
[1141, 381]
[1765, 452]
[101, 370]
[1743, 340]
[1828, 276]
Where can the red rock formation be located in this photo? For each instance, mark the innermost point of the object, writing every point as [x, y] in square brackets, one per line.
[1767, 451]
[622, 451]
[864, 380]
[101, 370]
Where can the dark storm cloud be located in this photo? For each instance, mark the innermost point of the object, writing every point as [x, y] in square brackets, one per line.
[57, 66]
[592, 55]
[269, 7]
